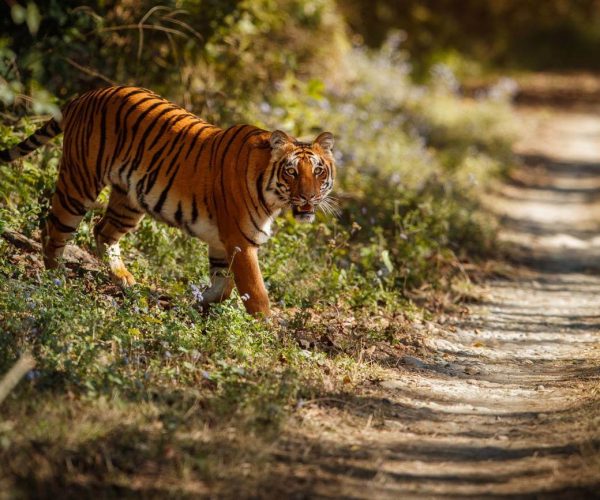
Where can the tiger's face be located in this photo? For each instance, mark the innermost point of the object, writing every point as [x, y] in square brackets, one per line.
[303, 174]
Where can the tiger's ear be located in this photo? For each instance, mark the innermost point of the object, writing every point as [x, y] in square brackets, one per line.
[279, 139]
[325, 140]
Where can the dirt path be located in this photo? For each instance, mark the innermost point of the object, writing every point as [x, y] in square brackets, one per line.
[498, 405]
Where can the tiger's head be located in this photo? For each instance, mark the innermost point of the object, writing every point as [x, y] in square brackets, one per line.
[303, 174]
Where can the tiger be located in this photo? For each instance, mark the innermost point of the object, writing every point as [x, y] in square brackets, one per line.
[224, 186]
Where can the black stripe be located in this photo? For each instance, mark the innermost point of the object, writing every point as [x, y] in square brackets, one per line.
[103, 102]
[72, 205]
[163, 196]
[119, 120]
[122, 139]
[133, 214]
[174, 140]
[261, 195]
[63, 228]
[102, 145]
[222, 172]
[152, 177]
[81, 127]
[175, 160]
[25, 148]
[214, 147]
[132, 210]
[146, 112]
[154, 169]
[141, 147]
[119, 223]
[215, 151]
[140, 197]
[119, 189]
[114, 221]
[249, 195]
[45, 130]
[247, 238]
[54, 127]
[246, 137]
[206, 205]
[125, 99]
[76, 187]
[168, 123]
[194, 210]
[82, 186]
[275, 168]
[242, 127]
[196, 138]
[136, 125]
[211, 139]
[178, 214]
[151, 126]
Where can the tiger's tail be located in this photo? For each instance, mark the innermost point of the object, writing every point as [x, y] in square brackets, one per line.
[41, 136]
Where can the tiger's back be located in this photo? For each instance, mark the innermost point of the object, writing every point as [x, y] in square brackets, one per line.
[171, 164]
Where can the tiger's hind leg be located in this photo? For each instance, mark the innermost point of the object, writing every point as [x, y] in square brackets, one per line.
[121, 217]
[70, 202]
[221, 282]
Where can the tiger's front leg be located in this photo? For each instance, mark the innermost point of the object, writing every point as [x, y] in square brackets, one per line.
[248, 279]
[221, 283]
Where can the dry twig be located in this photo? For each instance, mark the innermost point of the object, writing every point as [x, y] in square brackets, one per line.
[15, 374]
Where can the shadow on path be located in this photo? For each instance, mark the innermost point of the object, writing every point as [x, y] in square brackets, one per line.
[494, 406]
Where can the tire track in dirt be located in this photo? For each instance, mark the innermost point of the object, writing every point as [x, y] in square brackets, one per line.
[498, 405]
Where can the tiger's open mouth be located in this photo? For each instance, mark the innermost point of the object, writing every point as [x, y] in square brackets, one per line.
[304, 213]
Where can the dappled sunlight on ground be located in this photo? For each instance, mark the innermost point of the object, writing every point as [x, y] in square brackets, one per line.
[495, 403]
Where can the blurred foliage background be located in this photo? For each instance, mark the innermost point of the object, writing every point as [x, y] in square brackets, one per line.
[212, 56]
[474, 36]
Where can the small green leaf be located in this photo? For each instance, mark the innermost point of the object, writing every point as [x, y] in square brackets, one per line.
[18, 13]
[33, 18]
[385, 257]
[315, 88]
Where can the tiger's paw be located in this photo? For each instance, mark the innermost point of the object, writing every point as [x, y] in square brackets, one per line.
[122, 277]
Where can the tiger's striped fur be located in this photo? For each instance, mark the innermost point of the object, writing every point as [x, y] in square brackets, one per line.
[224, 186]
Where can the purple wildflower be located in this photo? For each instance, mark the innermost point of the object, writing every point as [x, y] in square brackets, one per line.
[196, 293]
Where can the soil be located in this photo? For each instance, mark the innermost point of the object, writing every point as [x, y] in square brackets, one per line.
[501, 404]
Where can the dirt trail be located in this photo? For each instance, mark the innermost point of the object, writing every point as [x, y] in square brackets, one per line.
[498, 405]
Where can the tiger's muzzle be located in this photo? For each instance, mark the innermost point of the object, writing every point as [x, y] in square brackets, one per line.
[304, 213]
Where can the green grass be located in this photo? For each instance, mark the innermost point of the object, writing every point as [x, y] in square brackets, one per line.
[138, 391]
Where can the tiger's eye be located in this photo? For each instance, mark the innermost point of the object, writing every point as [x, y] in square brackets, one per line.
[291, 171]
[318, 170]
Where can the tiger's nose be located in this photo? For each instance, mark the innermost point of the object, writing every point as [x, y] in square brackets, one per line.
[308, 198]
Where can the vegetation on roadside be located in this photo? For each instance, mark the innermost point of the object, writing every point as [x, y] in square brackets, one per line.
[137, 390]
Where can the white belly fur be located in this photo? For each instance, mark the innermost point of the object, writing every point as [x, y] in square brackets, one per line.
[207, 231]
